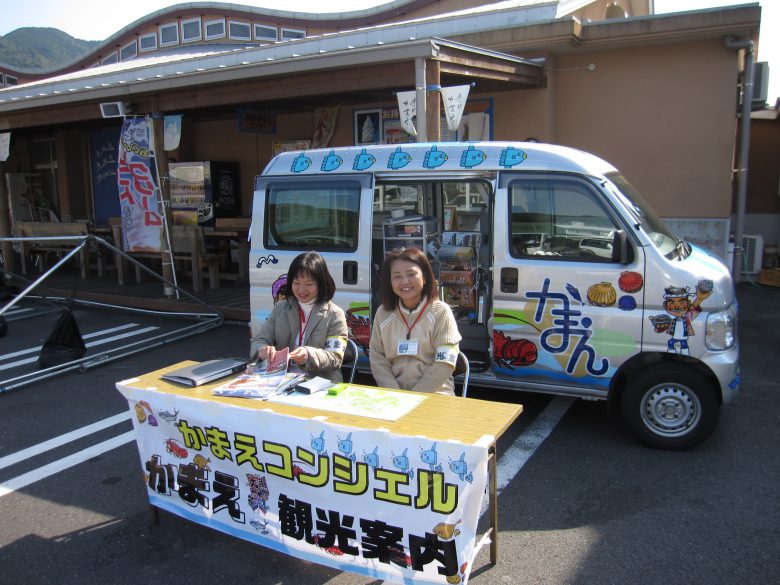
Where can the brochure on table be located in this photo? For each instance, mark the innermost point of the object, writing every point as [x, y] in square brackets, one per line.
[263, 380]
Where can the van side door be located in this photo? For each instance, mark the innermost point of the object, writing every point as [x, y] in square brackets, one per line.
[568, 289]
[329, 214]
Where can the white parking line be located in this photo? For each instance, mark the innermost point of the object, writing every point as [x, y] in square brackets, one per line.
[90, 344]
[7, 356]
[524, 446]
[26, 479]
[14, 458]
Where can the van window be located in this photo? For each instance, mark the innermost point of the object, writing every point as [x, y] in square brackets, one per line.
[312, 215]
[558, 218]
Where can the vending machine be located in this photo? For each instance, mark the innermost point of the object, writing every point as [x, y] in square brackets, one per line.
[202, 191]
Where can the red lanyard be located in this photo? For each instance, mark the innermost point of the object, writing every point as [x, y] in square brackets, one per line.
[410, 327]
[303, 323]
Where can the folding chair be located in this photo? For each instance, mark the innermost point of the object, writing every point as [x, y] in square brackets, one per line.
[350, 359]
[462, 368]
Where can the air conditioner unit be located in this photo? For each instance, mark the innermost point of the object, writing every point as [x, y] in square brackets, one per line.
[752, 254]
[760, 83]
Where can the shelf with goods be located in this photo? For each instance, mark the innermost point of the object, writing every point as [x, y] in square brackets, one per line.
[458, 272]
[419, 233]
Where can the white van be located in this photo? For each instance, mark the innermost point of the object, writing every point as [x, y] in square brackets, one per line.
[561, 277]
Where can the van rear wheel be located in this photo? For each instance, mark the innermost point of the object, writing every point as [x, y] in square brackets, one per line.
[670, 406]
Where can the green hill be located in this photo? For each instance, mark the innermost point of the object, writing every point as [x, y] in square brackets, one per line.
[38, 48]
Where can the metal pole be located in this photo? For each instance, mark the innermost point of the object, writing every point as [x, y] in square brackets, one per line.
[161, 160]
[744, 148]
[421, 99]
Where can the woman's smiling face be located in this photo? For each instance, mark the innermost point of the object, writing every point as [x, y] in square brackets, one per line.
[407, 281]
[304, 287]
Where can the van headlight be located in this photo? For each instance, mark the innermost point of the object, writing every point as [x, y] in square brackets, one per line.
[722, 329]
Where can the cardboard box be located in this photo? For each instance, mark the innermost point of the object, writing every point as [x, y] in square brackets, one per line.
[770, 276]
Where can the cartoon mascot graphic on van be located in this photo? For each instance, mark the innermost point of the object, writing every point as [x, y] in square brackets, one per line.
[680, 312]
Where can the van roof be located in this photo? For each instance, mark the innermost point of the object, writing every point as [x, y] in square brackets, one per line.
[439, 156]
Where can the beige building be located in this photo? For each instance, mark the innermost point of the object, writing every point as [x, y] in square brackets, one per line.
[656, 95]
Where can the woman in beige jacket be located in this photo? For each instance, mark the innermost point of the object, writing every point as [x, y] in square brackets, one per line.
[307, 321]
[414, 340]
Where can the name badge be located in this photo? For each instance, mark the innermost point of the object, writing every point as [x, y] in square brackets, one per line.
[407, 347]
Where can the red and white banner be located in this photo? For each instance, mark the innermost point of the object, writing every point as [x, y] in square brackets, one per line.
[141, 220]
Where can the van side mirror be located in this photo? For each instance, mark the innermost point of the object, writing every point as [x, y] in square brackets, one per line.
[621, 252]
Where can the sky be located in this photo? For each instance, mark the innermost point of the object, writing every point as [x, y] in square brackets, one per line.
[96, 20]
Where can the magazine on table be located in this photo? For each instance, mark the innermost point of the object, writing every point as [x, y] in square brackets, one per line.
[263, 380]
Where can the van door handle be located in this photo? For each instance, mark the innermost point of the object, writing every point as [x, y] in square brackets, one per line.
[508, 280]
[350, 272]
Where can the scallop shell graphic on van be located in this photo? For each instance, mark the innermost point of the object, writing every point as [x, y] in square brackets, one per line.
[630, 281]
[434, 158]
[398, 159]
[363, 161]
[300, 163]
[471, 157]
[331, 162]
[602, 295]
[511, 156]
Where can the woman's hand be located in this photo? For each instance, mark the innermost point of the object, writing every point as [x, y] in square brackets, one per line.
[266, 352]
[299, 355]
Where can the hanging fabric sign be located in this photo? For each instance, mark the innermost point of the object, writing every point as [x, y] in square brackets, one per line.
[5, 145]
[141, 221]
[172, 133]
[407, 109]
[325, 126]
[454, 100]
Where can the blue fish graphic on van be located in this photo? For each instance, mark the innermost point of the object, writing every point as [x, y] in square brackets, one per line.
[300, 163]
[398, 159]
[472, 157]
[331, 162]
[511, 156]
[434, 158]
[363, 161]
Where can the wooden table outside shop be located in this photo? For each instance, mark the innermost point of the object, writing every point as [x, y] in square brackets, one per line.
[233, 230]
[166, 414]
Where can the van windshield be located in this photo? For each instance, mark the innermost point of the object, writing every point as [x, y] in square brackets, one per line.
[660, 235]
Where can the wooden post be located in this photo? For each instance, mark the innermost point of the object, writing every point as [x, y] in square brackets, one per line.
[168, 270]
[5, 222]
[433, 100]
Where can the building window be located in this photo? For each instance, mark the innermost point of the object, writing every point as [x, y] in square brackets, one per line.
[148, 42]
[291, 33]
[190, 30]
[128, 51]
[266, 33]
[112, 58]
[240, 31]
[11, 80]
[169, 34]
[215, 29]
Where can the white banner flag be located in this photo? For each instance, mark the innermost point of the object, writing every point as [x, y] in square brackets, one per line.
[407, 109]
[454, 100]
[171, 132]
[5, 145]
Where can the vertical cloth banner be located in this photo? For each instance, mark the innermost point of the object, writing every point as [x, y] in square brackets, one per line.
[172, 132]
[325, 126]
[454, 100]
[5, 145]
[141, 221]
[407, 110]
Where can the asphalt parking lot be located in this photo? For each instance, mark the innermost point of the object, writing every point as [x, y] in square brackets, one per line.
[587, 504]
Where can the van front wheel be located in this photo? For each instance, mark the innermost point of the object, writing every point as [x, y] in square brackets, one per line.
[670, 407]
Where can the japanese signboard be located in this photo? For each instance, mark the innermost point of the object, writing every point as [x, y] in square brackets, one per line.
[399, 508]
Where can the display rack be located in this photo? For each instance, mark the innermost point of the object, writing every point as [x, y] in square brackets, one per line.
[409, 233]
[458, 271]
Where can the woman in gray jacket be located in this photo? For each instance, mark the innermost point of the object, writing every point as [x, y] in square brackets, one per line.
[307, 321]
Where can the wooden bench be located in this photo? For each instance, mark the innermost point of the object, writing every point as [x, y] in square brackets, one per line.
[46, 229]
[188, 245]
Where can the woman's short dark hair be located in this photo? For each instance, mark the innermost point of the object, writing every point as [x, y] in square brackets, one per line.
[312, 264]
[415, 256]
